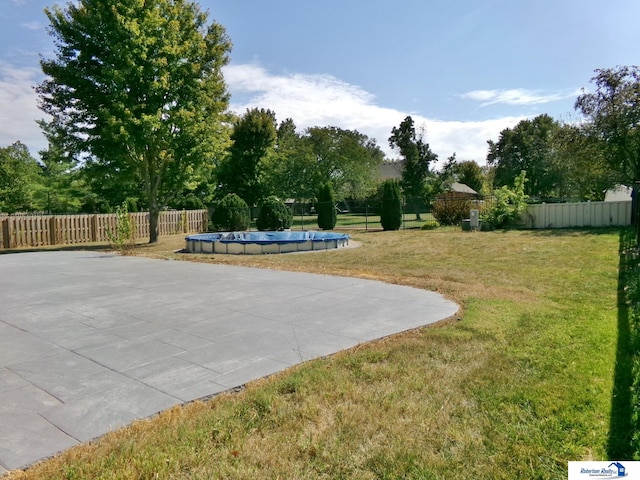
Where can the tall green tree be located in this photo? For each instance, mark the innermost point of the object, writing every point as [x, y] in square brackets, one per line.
[61, 188]
[469, 173]
[529, 147]
[136, 90]
[417, 156]
[346, 158]
[613, 111]
[581, 161]
[291, 171]
[242, 171]
[18, 178]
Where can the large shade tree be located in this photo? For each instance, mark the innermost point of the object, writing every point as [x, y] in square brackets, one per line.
[529, 147]
[291, 170]
[613, 112]
[136, 89]
[347, 159]
[581, 161]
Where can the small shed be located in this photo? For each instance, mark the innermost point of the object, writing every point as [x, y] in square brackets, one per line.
[459, 191]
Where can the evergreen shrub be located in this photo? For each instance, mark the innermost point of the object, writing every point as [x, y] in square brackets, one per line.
[391, 207]
[274, 215]
[231, 214]
[326, 207]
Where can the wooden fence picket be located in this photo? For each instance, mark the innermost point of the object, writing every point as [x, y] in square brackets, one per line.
[17, 231]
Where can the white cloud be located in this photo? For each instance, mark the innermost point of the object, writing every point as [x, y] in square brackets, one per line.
[467, 139]
[33, 26]
[321, 100]
[18, 108]
[310, 100]
[517, 96]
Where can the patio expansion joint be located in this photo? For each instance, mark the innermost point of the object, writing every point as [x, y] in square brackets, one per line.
[57, 427]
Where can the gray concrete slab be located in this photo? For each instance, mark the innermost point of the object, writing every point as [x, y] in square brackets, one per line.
[90, 342]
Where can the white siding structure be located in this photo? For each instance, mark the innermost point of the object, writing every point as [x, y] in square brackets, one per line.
[587, 214]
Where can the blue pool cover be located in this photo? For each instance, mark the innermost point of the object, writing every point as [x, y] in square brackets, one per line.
[266, 238]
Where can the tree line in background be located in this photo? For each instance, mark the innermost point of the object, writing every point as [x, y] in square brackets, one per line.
[137, 113]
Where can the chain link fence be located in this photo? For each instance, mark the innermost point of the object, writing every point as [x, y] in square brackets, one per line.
[364, 215]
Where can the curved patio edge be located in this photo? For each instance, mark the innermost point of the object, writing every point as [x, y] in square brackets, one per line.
[90, 342]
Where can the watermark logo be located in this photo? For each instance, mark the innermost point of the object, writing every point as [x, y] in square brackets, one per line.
[601, 470]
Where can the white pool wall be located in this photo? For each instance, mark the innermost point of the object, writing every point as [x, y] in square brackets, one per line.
[213, 243]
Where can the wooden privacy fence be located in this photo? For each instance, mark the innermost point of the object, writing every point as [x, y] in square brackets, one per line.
[587, 214]
[40, 230]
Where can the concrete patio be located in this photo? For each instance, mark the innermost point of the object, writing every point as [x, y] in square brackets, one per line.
[90, 342]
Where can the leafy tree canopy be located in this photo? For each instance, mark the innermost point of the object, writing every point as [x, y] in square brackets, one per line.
[253, 137]
[581, 161]
[347, 159]
[417, 156]
[61, 188]
[469, 173]
[529, 147]
[613, 112]
[136, 90]
[18, 178]
[291, 172]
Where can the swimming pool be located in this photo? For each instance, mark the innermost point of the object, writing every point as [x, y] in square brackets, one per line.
[259, 243]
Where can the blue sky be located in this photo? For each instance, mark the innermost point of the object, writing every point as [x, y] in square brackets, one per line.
[463, 69]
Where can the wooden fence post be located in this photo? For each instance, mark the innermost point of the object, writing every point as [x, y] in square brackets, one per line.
[53, 230]
[6, 238]
[9, 234]
[93, 228]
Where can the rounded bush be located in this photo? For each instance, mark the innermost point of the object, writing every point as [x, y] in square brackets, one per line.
[451, 209]
[231, 214]
[274, 215]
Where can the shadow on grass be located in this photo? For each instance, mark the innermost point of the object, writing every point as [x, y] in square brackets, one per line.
[621, 425]
[573, 231]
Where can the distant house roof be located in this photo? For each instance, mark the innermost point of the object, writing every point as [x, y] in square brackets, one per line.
[462, 188]
[391, 170]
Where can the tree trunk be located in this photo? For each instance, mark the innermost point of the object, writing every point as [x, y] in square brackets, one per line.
[154, 214]
[417, 209]
[153, 186]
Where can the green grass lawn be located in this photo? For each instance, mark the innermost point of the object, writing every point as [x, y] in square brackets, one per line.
[516, 387]
[360, 221]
